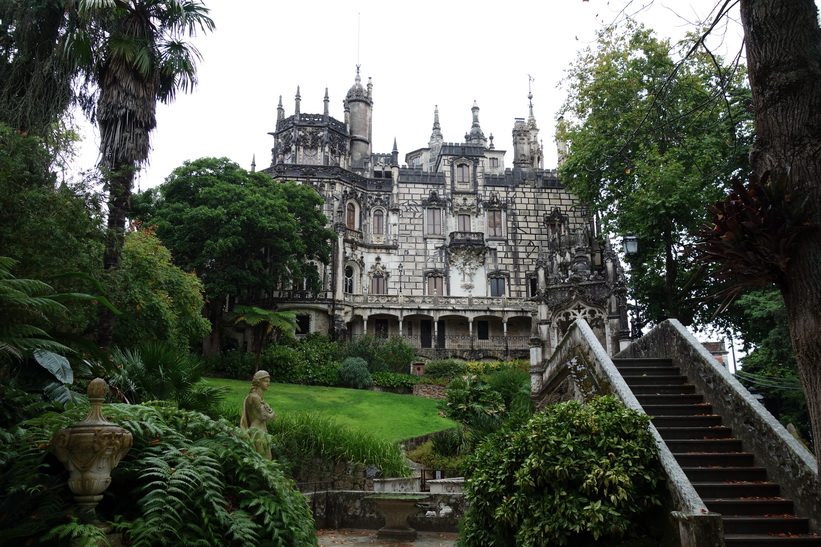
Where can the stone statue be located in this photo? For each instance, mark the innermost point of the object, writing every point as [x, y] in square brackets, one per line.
[256, 413]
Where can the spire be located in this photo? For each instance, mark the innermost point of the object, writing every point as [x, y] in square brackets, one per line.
[476, 136]
[436, 135]
[280, 110]
[491, 146]
[325, 113]
[253, 163]
[395, 154]
[298, 99]
[531, 119]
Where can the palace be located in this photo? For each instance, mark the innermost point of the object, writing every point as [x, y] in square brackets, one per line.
[452, 250]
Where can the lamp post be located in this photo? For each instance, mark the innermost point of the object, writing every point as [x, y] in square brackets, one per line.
[631, 253]
[401, 269]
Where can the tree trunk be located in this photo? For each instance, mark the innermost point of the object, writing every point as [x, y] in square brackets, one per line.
[783, 43]
[119, 201]
[211, 345]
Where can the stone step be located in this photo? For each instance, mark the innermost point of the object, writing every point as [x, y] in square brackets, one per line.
[651, 380]
[754, 540]
[702, 420]
[663, 389]
[715, 432]
[702, 446]
[756, 506]
[716, 459]
[766, 525]
[649, 371]
[624, 364]
[737, 489]
[747, 473]
[678, 410]
[669, 399]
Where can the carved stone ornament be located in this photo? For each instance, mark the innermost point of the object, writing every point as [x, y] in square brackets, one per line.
[90, 449]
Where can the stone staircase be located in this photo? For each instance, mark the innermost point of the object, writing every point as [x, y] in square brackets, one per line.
[724, 475]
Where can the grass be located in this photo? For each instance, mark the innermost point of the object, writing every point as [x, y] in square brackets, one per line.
[387, 415]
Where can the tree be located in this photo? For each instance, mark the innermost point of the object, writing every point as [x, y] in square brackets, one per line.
[35, 80]
[244, 234]
[783, 43]
[164, 303]
[263, 323]
[647, 150]
[132, 54]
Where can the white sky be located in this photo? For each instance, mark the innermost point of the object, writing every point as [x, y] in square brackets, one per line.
[419, 54]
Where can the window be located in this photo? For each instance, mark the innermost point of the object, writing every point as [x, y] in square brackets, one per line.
[494, 223]
[435, 222]
[497, 286]
[534, 286]
[463, 223]
[462, 173]
[378, 284]
[349, 279]
[350, 216]
[494, 163]
[379, 222]
[436, 285]
[483, 330]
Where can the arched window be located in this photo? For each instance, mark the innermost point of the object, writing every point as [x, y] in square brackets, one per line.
[350, 216]
[349, 273]
[379, 222]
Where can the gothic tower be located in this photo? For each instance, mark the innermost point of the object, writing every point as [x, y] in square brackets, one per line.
[358, 117]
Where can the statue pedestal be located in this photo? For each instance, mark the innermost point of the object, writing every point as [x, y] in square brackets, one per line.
[396, 508]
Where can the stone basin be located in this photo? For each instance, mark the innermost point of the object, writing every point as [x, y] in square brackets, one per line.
[396, 508]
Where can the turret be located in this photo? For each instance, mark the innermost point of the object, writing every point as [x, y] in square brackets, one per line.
[475, 135]
[359, 112]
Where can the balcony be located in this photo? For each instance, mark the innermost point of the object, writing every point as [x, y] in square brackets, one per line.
[466, 239]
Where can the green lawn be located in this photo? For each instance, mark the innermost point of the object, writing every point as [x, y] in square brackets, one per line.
[390, 416]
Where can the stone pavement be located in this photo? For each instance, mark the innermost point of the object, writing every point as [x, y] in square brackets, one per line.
[331, 538]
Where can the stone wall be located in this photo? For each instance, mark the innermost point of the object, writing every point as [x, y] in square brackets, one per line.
[349, 509]
[429, 391]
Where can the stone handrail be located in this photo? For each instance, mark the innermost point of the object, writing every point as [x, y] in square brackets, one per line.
[787, 461]
[581, 358]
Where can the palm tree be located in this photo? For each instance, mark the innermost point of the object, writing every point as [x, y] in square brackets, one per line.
[263, 324]
[132, 54]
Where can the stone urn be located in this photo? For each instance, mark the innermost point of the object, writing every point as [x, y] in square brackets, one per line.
[90, 449]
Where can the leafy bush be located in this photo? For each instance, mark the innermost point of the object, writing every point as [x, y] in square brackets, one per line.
[353, 372]
[162, 371]
[301, 437]
[488, 367]
[233, 363]
[427, 455]
[391, 354]
[573, 474]
[470, 398]
[394, 380]
[513, 385]
[445, 368]
[311, 361]
[187, 480]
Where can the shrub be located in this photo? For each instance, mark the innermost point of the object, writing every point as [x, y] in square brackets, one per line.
[311, 361]
[233, 363]
[427, 455]
[383, 354]
[573, 474]
[162, 371]
[470, 398]
[187, 480]
[445, 368]
[353, 372]
[393, 380]
[513, 385]
[300, 438]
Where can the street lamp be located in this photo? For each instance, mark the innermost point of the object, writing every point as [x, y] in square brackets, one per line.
[631, 253]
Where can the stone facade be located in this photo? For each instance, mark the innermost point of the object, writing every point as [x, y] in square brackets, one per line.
[453, 251]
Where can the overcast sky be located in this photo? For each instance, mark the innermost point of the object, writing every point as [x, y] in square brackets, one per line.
[419, 55]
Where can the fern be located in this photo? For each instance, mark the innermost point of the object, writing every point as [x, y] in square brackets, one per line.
[80, 535]
[187, 480]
